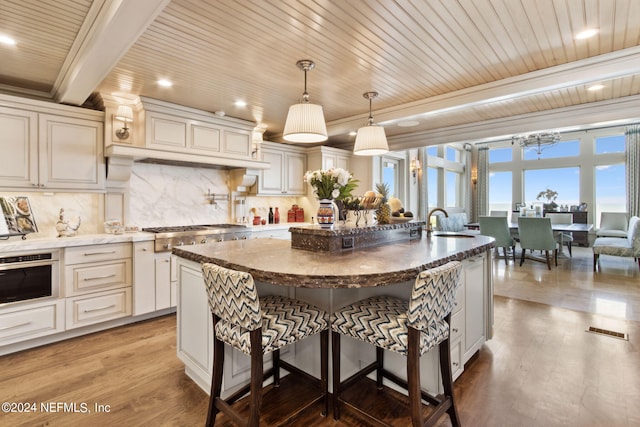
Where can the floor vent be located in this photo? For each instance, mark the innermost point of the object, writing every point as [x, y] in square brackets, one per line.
[608, 333]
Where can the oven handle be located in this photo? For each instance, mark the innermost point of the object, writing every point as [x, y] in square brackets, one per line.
[15, 326]
[23, 265]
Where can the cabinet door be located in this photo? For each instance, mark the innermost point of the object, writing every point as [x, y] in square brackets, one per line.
[205, 138]
[474, 331]
[342, 162]
[144, 286]
[163, 281]
[236, 143]
[166, 132]
[71, 153]
[19, 145]
[271, 180]
[295, 168]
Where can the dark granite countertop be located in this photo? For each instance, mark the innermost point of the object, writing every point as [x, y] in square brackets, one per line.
[275, 261]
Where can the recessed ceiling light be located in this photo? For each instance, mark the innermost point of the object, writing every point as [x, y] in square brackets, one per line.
[595, 87]
[240, 103]
[7, 40]
[586, 33]
[165, 83]
[353, 133]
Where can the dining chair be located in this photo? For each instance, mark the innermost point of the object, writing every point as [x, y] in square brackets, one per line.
[562, 237]
[257, 326]
[499, 213]
[536, 234]
[498, 228]
[408, 327]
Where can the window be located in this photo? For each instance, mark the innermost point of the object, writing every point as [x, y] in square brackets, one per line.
[499, 155]
[565, 181]
[561, 149]
[432, 187]
[454, 192]
[610, 190]
[390, 176]
[452, 154]
[432, 150]
[500, 186]
[610, 144]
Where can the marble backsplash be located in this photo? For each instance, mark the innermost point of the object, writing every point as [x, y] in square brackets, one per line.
[159, 195]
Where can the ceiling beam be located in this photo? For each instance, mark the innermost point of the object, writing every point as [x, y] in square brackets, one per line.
[110, 29]
[595, 69]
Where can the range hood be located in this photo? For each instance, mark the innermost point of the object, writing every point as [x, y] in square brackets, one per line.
[149, 155]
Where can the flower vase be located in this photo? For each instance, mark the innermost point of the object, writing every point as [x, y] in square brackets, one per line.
[326, 213]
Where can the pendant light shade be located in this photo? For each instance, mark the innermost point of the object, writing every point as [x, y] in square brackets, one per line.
[305, 121]
[370, 139]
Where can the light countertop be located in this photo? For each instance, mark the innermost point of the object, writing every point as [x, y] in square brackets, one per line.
[37, 243]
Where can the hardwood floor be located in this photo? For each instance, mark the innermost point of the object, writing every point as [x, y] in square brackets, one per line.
[541, 367]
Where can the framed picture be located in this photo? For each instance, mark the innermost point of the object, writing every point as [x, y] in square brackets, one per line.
[17, 216]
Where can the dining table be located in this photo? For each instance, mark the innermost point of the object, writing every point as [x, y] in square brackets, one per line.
[564, 228]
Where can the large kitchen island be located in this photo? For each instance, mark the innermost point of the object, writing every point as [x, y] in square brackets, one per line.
[331, 280]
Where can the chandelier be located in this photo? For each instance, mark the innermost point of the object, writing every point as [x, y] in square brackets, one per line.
[537, 141]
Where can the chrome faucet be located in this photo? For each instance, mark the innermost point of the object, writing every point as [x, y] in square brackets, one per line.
[429, 228]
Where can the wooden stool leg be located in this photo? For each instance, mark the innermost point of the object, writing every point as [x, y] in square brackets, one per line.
[379, 367]
[447, 380]
[256, 378]
[216, 378]
[324, 369]
[335, 349]
[275, 357]
[413, 376]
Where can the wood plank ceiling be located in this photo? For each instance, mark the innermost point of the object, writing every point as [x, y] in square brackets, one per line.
[458, 61]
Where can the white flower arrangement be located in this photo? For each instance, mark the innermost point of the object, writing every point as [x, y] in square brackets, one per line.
[334, 183]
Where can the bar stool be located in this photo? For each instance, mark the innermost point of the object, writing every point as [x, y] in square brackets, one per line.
[257, 326]
[410, 328]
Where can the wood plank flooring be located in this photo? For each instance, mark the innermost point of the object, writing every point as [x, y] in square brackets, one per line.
[541, 368]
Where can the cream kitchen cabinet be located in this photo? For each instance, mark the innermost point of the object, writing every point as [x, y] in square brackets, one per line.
[97, 282]
[286, 175]
[328, 157]
[30, 320]
[144, 278]
[209, 136]
[50, 152]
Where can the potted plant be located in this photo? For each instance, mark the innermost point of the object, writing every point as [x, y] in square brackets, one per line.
[550, 196]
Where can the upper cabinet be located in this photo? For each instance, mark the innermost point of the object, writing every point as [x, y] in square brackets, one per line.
[50, 151]
[329, 157]
[286, 175]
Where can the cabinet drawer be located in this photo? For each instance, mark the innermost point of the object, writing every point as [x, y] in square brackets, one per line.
[458, 302]
[31, 322]
[83, 278]
[457, 325]
[82, 254]
[457, 367]
[98, 307]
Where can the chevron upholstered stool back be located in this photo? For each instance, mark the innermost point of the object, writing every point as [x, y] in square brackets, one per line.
[409, 327]
[256, 326]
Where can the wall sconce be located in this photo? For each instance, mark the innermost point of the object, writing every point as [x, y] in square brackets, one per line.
[415, 168]
[124, 113]
[474, 176]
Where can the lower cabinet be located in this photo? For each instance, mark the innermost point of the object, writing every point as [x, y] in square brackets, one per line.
[98, 282]
[31, 320]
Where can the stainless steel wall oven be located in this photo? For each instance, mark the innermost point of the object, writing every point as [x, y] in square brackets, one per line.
[28, 276]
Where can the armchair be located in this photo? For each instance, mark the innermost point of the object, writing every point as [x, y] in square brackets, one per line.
[613, 224]
[629, 247]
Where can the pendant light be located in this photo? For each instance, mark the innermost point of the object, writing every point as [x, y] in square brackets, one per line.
[305, 121]
[370, 139]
